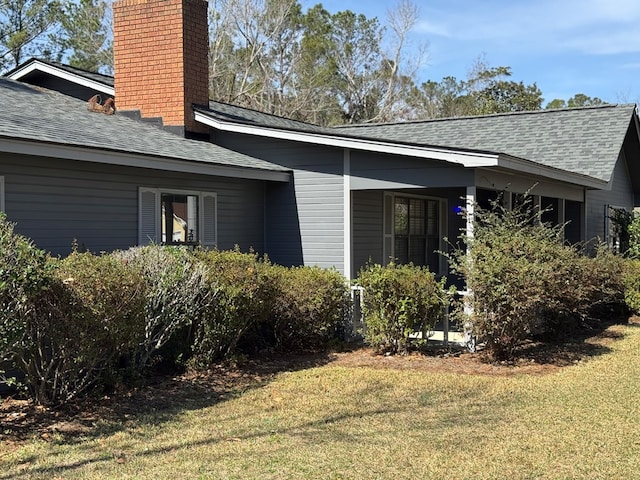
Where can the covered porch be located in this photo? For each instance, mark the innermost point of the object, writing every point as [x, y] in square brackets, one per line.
[404, 223]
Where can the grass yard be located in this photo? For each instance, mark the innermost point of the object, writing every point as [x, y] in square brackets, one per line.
[345, 421]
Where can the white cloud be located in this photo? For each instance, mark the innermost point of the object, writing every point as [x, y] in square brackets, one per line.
[630, 66]
[606, 42]
[587, 26]
[433, 28]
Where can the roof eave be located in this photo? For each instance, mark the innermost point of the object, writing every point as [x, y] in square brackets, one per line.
[469, 159]
[460, 157]
[128, 159]
[37, 65]
[521, 165]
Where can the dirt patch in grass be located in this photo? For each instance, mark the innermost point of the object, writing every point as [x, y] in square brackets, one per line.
[20, 420]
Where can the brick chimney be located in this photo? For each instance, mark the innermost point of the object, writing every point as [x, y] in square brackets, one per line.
[161, 60]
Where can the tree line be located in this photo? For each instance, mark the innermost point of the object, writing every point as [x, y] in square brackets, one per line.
[271, 55]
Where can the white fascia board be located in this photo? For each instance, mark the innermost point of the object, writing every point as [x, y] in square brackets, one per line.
[520, 165]
[467, 159]
[63, 74]
[69, 152]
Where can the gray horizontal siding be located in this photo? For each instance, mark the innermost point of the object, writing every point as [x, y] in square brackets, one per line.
[305, 221]
[620, 195]
[368, 210]
[372, 171]
[54, 202]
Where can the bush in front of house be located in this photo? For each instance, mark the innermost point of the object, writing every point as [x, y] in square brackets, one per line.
[311, 308]
[244, 290]
[24, 274]
[631, 279]
[601, 288]
[633, 232]
[87, 320]
[520, 274]
[176, 296]
[398, 301]
[524, 280]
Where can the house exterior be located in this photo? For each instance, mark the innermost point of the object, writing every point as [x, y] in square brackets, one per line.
[304, 194]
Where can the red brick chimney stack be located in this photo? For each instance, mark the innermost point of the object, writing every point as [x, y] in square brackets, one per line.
[161, 59]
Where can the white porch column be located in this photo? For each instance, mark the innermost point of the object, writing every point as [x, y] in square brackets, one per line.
[348, 243]
[471, 201]
[470, 207]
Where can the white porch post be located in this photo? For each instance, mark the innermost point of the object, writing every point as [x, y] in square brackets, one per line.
[468, 309]
[470, 206]
[347, 242]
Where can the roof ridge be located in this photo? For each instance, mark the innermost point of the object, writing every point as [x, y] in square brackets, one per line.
[490, 115]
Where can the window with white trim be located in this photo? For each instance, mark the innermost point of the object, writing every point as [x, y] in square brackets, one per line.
[412, 230]
[1, 194]
[177, 217]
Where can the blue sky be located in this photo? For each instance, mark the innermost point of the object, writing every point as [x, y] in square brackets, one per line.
[565, 46]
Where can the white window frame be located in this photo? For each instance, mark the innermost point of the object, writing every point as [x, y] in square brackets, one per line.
[1, 194]
[149, 231]
[389, 231]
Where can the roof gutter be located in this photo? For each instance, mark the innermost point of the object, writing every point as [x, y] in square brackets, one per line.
[111, 157]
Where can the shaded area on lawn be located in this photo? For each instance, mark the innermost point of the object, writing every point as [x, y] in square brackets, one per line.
[163, 398]
[157, 401]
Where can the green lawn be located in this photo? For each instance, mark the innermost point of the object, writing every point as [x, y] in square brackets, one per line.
[334, 422]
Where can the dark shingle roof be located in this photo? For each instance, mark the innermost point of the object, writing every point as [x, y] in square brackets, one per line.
[40, 115]
[233, 113]
[584, 140]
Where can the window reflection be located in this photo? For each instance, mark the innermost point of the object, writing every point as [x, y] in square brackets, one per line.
[179, 218]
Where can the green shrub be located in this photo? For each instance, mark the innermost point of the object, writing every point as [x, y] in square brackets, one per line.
[631, 279]
[601, 287]
[399, 300]
[634, 236]
[176, 295]
[525, 281]
[88, 318]
[520, 275]
[24, 273]
[311, 308]
[244, 294]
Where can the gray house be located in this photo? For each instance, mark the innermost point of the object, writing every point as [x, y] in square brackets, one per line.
[173, 166]
[104, 180]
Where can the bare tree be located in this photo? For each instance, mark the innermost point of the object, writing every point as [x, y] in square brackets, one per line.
[400, 72]
[313, 66]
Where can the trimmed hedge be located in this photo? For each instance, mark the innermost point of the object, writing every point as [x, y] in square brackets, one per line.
[398, 301]
[311, 309]
[244, 292]
[87, 318]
